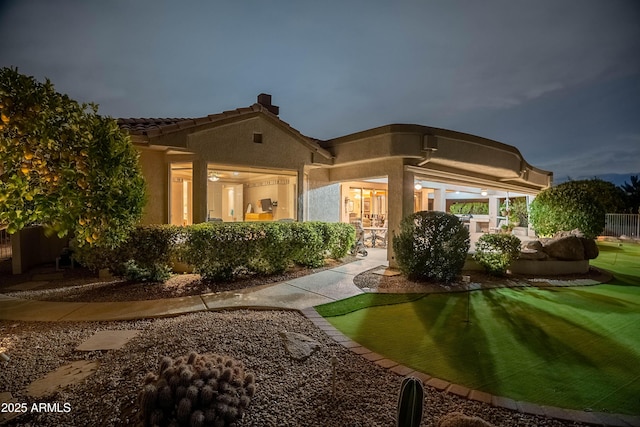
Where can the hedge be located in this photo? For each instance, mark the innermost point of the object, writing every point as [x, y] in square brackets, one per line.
[219, 251]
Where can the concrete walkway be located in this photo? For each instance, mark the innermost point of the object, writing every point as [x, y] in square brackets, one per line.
[300, 294]
[296, 294]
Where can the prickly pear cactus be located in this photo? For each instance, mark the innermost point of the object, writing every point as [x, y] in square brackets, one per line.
[196, 390]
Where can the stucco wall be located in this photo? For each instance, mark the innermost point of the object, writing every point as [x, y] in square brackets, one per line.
[324, 203]
[154, 170]
[233, 144]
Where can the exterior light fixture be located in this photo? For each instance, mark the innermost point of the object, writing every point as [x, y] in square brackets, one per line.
[484, 192]
[418, 186]
[214, 177]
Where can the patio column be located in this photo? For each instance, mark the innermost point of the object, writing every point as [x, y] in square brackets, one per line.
[440, 200]
[302, 195]
[199, 191]
[493, 211]
[401, 188]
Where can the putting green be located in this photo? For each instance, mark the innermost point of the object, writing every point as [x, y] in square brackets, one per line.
[575, 347]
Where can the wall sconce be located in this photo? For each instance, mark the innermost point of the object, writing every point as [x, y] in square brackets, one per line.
[418, 186]
[213, 177]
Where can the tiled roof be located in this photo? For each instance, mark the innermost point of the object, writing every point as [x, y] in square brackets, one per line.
[142, 125]
[150, 127]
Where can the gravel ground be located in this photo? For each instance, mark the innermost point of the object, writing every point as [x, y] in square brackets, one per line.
[478, 279]
[289, 393]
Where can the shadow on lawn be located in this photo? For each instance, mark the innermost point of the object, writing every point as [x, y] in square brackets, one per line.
[461, 340]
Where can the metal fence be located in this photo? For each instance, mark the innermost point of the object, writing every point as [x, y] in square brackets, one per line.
[5, 244]
[617, 225]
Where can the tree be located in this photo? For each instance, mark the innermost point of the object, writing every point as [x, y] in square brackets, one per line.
[64, 166]
[566, 207]
[632, 191]
[610, 196]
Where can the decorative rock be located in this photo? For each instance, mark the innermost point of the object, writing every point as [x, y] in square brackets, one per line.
[299, 346]
[566, 248]
[458, 419]
[530, 254]
[532, 245]
[68, 374]
[591, 250]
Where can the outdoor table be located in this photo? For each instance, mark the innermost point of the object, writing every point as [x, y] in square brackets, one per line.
[374, 233]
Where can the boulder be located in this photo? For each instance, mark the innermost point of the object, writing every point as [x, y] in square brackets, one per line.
[568, 248]
[531, 254]
[299, 346]
[533, 245]
[458, 419]
[591, 250]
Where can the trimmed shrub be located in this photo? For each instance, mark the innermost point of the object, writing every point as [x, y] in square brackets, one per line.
[431, 246]
[145, 255]
[308, 243]
[219, 251]
[343, 237]
[196, 390]
[496, 252]
[566, 207]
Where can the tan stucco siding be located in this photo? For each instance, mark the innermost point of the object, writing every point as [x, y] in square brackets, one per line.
[378, 147]
[477, 158]
[234, 144]
[154, 169]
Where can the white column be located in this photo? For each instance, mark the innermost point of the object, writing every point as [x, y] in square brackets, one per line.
[440, 200]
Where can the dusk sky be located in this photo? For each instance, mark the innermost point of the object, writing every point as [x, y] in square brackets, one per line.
[559, 80]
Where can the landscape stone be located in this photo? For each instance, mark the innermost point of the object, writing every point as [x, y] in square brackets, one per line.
[62, 377]
[458, 419]
[6, 397]
[591, 250]
[531, 254]
[565, 248]
[108, 340]
[533, 245]
[299, 346]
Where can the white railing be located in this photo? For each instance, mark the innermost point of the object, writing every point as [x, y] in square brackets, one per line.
[5, 244]
[622, 225]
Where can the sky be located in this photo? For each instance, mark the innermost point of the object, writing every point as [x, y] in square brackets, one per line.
[559, 80]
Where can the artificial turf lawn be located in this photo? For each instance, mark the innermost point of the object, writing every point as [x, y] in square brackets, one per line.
[575, 347]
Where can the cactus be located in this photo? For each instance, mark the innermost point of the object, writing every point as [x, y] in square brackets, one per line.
[196, 390]
[410, 402]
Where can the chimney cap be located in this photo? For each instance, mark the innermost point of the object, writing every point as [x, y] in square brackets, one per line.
[264, 99]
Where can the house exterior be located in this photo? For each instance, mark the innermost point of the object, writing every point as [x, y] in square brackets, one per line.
[249, 165]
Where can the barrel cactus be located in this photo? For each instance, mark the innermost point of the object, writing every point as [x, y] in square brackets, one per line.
[196, 390]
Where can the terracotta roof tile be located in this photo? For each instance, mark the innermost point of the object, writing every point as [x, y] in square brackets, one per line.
[158, 126]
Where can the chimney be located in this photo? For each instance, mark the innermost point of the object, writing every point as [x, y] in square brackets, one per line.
[264, 99]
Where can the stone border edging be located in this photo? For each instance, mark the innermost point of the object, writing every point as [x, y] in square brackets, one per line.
[571, 415]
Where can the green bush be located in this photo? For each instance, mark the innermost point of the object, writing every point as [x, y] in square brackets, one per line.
[342, 240]
[431, 246]
[567, 207]
[219, 251]
[496, 252]
[473, 208]
[145, 255]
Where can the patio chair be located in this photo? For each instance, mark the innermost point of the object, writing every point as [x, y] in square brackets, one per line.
[358, 247]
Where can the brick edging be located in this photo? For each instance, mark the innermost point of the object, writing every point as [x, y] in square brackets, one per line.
[572, 415]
